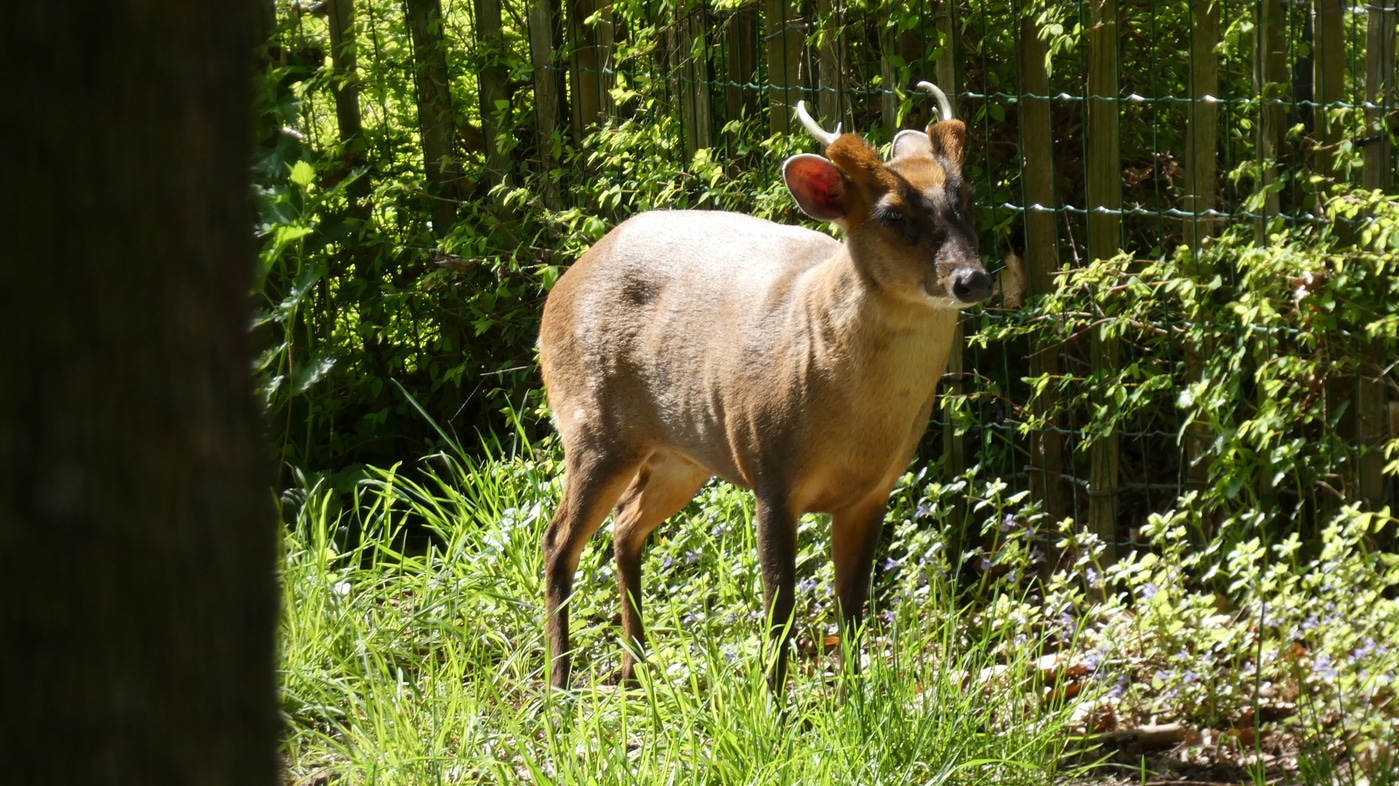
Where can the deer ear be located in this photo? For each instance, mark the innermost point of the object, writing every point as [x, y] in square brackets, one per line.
[949, 139]
[818, 186]
[907, 142]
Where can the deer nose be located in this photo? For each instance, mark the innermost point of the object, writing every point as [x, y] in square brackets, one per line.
[971, 286]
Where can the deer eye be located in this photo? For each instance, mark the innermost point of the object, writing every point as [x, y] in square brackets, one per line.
[890, 217]
[895, 220]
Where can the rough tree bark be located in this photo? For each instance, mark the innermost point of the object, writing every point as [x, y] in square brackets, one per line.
[341, 18]
[137, 601]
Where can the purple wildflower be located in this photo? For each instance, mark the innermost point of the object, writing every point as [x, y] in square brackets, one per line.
[1323, 667]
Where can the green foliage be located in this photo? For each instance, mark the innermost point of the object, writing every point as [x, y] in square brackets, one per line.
[1239, 360]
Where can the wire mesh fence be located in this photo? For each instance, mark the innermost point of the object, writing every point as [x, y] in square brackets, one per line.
[1099, 129]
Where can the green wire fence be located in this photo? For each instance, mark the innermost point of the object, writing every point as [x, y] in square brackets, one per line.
[1100, 129]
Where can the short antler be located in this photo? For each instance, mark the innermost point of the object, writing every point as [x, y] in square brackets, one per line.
[823, 136]
[944, 106]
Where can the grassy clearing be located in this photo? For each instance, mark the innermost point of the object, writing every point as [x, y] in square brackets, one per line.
[423, 662]
[421, 659]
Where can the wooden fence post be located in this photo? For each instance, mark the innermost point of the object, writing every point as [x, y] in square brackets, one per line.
[949, 74]
[689, 66]
[1269, 80]
[1104, 181]
[1328, 43]
[1202, 145]
[543, 39]
[1371, 405]
[1202, 173]
[492, 83]
[910, 48]
[784, 39]
[436, 120]
[1042, 262]
[830, 81]
[955, 453]
[740, 62]
[591, 48]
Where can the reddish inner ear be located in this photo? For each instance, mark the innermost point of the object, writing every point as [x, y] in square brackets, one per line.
[817, 185]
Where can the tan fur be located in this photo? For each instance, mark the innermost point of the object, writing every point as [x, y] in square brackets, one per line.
[690, 344]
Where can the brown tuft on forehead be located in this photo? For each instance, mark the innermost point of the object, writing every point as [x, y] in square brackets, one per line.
[860, 162]
[923, 171]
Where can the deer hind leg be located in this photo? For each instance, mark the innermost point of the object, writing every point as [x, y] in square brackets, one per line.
[593, 480]
[854, 536]
[663, 485]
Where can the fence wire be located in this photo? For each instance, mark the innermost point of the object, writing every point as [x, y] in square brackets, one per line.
[1098, 128]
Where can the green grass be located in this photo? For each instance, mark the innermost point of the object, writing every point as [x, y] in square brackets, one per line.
[423, 662]
[412, 646]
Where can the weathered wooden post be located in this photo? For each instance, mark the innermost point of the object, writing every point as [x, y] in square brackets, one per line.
[1104, 164]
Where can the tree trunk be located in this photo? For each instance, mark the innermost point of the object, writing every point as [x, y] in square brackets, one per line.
[341, 19]
[266, 21]
[435, 117]
[139, 548]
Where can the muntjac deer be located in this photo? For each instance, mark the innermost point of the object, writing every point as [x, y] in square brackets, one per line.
[689, 344]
